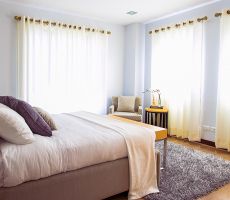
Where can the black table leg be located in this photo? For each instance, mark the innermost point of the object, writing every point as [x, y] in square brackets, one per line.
[151, 114]
[156, 114]
[147, 117]
[161, 120]
[166, 121]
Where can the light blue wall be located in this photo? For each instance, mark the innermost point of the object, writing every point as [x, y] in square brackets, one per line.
[130, 54]
[134, 59]
[211, 57]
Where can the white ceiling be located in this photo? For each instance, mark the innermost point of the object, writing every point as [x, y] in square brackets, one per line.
[114, 11]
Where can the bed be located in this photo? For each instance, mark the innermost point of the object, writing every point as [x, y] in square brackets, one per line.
[92, 165]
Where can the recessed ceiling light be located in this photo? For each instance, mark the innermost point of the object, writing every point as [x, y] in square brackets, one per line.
[131, 13]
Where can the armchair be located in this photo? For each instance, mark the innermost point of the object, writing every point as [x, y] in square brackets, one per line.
[136, 115]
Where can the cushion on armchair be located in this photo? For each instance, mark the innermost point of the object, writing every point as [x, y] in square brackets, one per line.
[129, 115]
[126, 104]
[138, 103]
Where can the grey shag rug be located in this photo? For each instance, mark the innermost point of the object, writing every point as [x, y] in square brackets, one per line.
[190, 174]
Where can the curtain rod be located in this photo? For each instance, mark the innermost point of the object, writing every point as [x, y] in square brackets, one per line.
[47, 22]
[178, 25]
[219, 14]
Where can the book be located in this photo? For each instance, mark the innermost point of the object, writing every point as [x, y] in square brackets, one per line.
[157, 107]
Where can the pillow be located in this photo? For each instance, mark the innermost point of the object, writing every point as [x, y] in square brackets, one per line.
[32, 118]
[47, 118]
[13, 127]
[126, 104]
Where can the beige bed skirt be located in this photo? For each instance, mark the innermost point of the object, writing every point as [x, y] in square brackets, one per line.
[89, 183]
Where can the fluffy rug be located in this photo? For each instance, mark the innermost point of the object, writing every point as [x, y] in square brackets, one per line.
[190, 174]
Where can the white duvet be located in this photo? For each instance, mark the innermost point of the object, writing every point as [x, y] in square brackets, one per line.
[83, 139]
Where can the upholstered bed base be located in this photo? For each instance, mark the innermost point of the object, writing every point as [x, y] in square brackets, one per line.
[89, 183]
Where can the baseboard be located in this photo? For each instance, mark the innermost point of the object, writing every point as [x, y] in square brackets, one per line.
[202, 141]
[209, 143]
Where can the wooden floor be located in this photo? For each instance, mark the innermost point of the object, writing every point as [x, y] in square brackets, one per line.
[221, 194]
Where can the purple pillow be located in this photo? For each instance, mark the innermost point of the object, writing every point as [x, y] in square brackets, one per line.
[32, 118]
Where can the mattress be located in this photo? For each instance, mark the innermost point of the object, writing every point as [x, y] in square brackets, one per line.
[75, 145]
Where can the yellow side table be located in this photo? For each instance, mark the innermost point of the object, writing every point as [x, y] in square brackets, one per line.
[151, 116]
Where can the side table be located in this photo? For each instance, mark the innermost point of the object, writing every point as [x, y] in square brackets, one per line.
[157, 117]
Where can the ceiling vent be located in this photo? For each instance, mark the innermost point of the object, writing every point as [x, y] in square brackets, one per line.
[131, 13]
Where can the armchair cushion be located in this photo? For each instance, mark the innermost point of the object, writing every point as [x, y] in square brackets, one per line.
[138, 102]
[129, 115]
[126, 104]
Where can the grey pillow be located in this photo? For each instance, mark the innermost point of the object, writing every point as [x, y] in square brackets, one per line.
[32, 118]
[47, 118]
[126, 104]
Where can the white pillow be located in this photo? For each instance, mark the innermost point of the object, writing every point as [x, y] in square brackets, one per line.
[13, 127]
[126, 104]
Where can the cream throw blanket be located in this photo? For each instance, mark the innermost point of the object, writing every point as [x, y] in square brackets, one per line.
[140, 145]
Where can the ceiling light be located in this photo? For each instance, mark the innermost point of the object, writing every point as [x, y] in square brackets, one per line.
[131, 13]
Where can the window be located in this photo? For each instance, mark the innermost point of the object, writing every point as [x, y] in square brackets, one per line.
[177, 70]
[62, 69]
[223, 101]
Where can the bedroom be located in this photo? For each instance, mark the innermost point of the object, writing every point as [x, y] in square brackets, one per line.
[80, 56]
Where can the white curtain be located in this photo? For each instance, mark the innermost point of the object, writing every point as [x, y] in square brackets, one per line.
[177, 70]
[62, 69]
[223, 100]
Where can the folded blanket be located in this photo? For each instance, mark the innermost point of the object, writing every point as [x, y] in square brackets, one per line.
[140, 145]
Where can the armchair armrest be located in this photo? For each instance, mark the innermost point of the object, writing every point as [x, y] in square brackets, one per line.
[111, 109]
[140, 110]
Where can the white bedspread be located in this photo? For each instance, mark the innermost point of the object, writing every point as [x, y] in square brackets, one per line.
[83, 139]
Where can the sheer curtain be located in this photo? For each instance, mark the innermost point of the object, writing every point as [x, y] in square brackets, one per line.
[62, 69]
[223, 101]
[177, 70]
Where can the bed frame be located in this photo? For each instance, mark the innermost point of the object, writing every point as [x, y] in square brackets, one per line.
[94, 182]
